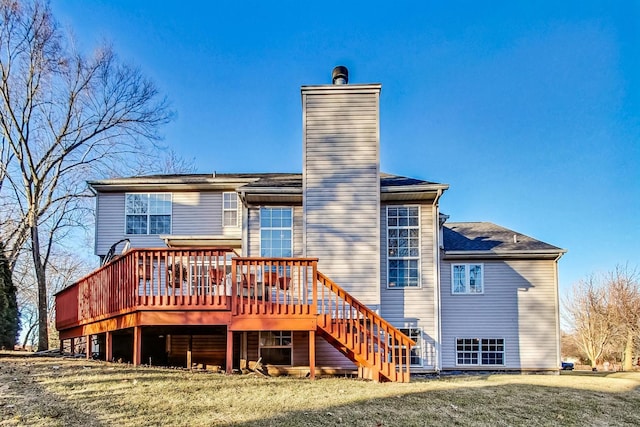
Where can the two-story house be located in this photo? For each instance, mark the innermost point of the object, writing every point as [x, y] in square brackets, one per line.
[340, 267]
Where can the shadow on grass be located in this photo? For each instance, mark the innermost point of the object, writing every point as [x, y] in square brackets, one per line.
[23, 400]
[510, 404]
[94, 393]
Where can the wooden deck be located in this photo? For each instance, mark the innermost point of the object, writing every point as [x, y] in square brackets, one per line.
[203, 287]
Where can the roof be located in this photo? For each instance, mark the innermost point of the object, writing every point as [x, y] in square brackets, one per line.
[393, 187]
[488, 239]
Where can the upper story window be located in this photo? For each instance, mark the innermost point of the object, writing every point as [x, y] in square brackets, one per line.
[467, 279]
[276, 232]
[403, 246]
[230, 209]
[148, 213]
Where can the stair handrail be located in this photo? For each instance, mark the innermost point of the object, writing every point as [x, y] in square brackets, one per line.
[367, 313]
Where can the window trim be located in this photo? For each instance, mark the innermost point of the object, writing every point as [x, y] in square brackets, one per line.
[236, 210]
[418, 258]
[290, 346]
[480, 353]
[467, 278]
[148, 214]
[260, 228]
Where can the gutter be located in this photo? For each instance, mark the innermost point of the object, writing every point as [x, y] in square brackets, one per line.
[540, 253]
[415, 188]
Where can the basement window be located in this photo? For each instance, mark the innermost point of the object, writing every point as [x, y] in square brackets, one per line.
[276, 347]
[417, 351]
[480, 351]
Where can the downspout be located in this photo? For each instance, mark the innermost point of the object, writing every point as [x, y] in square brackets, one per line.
[557, 292]
[437, 309]
[95, 224]
[245, 224]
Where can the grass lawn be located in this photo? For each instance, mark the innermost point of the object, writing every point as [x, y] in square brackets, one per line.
[71, 392]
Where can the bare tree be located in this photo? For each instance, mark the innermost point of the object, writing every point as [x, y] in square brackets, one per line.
[587, 310]
[623, 286]
[604, 312]
[64, 117]
[64, 268]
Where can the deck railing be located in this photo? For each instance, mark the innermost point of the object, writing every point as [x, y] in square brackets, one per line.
[173, 279]
[274, 286]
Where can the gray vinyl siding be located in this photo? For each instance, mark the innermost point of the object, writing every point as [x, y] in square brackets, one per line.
[413, 307]
[341, 185]
[193, 214]
[110, 220]
[518, 304]
[253, 232]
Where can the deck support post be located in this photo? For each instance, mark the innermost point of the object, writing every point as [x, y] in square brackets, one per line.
[229, 367]
[312, 355]
[108, 343]
[189, 352]
[87, 345]
[137, 345]
[244, 358]
[61, 347]
[73, 346]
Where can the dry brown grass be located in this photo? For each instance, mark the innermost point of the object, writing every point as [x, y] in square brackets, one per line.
[67, 392]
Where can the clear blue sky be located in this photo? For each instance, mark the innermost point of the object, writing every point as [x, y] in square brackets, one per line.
[529, 110]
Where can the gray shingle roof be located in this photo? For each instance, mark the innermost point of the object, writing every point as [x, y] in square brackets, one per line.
[486, 236]
[388, 180]
[258, 180]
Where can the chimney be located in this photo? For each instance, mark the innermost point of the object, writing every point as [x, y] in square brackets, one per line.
[340, 75]
[341, 182]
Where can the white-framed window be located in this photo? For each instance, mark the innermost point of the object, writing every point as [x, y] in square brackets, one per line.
[276, 232]
[417, 351]
[230, 209]
[480, 351]
[276, 347]
[148, 213]
[403, 246]
[467, 278]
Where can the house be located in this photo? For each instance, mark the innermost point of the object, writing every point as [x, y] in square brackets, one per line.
[339, 268]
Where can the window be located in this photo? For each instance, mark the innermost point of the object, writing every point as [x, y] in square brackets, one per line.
[417, 350]
[467, 279]
[276, 347]
[475, 351]
[230, 209]
[276, 231]
[403, 247]
[148, 213]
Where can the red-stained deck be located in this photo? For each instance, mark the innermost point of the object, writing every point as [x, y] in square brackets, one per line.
[195, 286]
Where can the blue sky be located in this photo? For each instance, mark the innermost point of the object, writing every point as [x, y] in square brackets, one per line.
[529, 110]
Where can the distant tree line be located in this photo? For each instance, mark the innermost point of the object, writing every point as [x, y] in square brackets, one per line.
[603, 312]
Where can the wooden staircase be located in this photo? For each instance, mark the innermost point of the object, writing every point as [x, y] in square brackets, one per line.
[381, 351]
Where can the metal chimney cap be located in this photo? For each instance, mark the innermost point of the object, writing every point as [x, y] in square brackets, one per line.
[340, 75]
